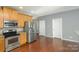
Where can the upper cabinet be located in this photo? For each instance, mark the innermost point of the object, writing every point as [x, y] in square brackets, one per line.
[13, 14]
[20, 20]
[28, 18]
[6, 13]
[9, 14]
[1, 17]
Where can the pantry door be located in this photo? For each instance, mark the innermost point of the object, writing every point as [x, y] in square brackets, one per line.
[42, 27]
[57, 27]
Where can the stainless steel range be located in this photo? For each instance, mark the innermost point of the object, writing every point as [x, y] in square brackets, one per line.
[11, 39]
[11, 35]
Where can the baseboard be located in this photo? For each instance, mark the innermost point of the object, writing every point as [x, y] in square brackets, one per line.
[61, 38]
[42, 36]
[71, 40]
[50, 36]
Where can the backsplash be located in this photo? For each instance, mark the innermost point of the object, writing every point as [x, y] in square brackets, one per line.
[1, 31]
[18, 29]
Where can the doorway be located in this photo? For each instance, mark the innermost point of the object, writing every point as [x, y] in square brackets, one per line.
[57, 27]
[42, 27]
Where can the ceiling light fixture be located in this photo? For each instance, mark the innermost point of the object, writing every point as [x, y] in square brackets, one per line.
[21, 7]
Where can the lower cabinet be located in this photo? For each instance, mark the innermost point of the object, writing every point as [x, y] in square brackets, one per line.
[1, 43]
[23, 38]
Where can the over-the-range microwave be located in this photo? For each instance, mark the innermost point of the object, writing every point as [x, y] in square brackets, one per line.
[10, 23]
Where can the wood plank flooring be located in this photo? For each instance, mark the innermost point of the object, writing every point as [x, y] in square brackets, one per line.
[43, 44]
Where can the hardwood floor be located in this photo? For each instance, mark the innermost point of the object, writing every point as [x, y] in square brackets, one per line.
[44, 44]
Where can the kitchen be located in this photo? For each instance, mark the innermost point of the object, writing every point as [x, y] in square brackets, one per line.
[11, 27]
[39, 28]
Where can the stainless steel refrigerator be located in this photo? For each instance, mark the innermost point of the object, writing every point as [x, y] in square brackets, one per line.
[28, 28]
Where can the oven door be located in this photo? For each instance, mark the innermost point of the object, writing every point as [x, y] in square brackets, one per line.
[11, 42]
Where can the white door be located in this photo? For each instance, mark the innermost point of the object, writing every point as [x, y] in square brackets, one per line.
[42, 27]
[57, 27]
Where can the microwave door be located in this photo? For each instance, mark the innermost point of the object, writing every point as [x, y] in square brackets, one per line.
[10, 24]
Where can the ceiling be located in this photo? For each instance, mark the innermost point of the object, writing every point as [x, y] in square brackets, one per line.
[37, 11]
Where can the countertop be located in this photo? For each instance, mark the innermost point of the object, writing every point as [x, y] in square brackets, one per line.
[1, 35]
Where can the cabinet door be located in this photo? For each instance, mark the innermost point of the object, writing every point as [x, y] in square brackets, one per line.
[9, 14]
[1, 18]
[25, 18]
[6, 13]
[1, 44]
[28, 18]
[23, 38]
[20, 20]
[13, 14]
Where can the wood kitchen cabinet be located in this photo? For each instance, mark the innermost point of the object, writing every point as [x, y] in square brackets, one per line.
[23, 38]
[6, 13]
[28, 18]
[21, 20]
[9, 14]
[13, 14]
[1, 18]
[1, 43]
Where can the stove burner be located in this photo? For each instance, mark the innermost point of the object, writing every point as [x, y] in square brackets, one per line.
[10, 33]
